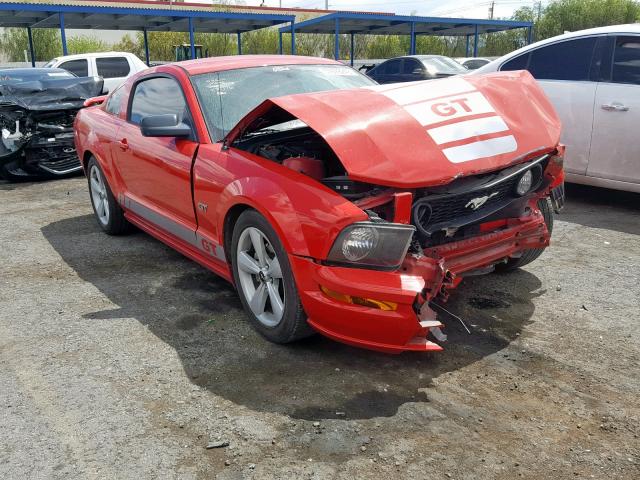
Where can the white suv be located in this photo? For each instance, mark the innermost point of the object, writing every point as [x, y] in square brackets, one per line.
[113, 67]
[592, 77]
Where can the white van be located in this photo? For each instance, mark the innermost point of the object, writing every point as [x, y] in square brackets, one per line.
[113, 67]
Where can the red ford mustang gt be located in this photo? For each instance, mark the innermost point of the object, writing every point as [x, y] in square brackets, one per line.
[333, 204]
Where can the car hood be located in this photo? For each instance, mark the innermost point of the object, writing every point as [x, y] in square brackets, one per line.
[422, 133]
[51, 94]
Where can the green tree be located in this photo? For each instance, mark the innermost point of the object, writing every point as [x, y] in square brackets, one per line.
[46, 43]
[86, 44]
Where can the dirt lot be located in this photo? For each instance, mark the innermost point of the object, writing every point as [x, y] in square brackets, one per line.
[121, 359]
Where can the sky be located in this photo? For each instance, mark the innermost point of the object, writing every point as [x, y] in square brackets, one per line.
[452, 8]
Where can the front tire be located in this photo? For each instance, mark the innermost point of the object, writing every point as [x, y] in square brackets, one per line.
[528, 256]
[265, 282]
[108, 212]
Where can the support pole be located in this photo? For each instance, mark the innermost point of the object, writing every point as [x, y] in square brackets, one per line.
[412, 44]
[293, 38]
[529, 35]
[239, 43]
[280, 42]
[31, 49]
[352, 49]
[336, 41]
[475, 42]
[466, 48]
[192, 39]
[146, 46]
[63, 36]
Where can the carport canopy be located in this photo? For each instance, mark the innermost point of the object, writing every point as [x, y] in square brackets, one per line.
[389, 24]
[147, 19]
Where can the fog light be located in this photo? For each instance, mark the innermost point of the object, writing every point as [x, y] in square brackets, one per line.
[359, 243]
[525, 183]
[363, 302]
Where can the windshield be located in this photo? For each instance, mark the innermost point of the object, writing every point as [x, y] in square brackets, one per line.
[227, 96]
[443, 65]
[24, 75]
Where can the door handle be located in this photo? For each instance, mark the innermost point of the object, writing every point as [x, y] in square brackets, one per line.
[615, 107]
[123, 144]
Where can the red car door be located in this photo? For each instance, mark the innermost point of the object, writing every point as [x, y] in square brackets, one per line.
[156, 171]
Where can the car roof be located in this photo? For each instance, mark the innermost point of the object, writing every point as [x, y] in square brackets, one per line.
[31, 70]
[630, 28]
[78, 56]
[216, 64]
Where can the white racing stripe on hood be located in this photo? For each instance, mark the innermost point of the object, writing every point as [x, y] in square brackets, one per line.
[438, 101]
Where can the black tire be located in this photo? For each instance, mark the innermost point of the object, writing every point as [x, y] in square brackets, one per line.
[115, 223]
[293, 324]
[529, 256]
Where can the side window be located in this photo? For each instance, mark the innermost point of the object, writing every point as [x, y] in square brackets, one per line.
[569, 60]
[158, 96]
[411, 65]
[518, 63]
[112, 67]
[393, 67]
[114, 102]
[626, 61]
[79, 67]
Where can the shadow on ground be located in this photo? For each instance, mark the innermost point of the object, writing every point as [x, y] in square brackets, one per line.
[602, 208]
[200, 316]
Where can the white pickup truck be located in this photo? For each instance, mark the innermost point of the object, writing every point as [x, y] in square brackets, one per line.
[113, 67]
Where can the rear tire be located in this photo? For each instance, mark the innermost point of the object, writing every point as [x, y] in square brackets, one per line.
[108, 212]
[265, 282]
[528, 256]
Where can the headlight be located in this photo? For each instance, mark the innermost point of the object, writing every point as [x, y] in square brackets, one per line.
[377, 245]
[524, 183]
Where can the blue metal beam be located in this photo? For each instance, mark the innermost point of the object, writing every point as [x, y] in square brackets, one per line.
[192, 39]
[466, 48]
[475, 42]
[352, 49]
[31, 49]
[412, 41]
[239, 43]
[146, 46]
[529, 35]
[280, 42]
[293, 37]
[336, 40]
[63, 36]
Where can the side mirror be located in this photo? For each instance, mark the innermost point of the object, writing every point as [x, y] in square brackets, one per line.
[418, 71]
[90, 102]
[164, 126]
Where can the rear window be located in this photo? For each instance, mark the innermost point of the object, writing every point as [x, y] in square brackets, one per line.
[80, 67]
[112, 67]
[225, 97]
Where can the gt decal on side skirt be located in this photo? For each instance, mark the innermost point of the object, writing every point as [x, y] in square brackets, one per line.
[196, 239]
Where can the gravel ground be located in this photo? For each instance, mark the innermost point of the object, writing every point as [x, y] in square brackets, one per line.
[121, 359]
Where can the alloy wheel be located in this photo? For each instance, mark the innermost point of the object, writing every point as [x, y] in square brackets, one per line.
[260, 276]
[99, 195]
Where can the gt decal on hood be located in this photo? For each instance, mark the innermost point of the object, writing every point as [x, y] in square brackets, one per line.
[456, 113]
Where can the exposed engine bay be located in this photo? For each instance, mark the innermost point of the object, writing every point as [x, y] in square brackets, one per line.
[36, 126]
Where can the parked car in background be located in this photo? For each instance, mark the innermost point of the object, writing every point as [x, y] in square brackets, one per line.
[37, 109]
[473, 63]
[593, 79]
[414, 68]
[333, 204]
[113, 67]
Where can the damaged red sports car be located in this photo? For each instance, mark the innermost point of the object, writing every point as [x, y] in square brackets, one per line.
[333, 204]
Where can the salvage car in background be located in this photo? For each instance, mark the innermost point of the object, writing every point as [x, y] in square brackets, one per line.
[473, 63]
[113, 67]
[413, 68]
[348, 211]
[592, 77]
[37, 109]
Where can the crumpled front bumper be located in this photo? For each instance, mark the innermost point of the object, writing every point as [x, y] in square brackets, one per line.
[419, 280]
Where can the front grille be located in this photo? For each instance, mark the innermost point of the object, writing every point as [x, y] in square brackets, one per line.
[55, 160]
[471, 200]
